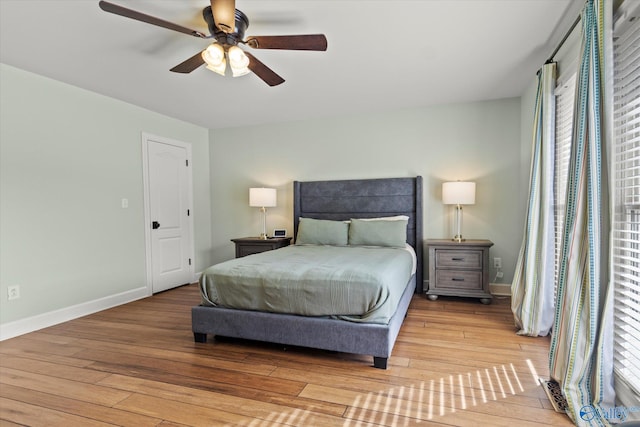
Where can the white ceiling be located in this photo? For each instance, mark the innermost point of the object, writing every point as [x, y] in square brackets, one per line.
[382, 55]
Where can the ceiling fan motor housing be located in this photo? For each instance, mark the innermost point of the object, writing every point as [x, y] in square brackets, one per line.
[229, 39]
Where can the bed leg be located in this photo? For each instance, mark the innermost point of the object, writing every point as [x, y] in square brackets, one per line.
[199, 337]
[380, 362]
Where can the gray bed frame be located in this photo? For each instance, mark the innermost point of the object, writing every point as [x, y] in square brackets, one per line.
[335, 200]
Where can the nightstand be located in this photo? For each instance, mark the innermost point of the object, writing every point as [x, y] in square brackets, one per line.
[253, 245]
[459, 269]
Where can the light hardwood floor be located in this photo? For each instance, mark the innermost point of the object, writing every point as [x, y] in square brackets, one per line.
[456, 362]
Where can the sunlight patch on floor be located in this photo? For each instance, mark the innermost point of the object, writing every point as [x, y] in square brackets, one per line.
[437, 398]
[297, 417]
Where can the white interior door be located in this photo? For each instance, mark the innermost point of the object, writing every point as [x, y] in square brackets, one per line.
[169, 227]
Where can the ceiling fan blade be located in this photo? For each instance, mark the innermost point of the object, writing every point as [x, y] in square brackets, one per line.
[296, 42]
[138, 16]
[224, 14]
[189, 65]
[265, 73]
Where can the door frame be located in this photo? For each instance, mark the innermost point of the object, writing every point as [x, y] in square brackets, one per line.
[146, 138]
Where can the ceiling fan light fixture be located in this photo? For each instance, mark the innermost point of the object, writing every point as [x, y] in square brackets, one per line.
[237, 72]
[213, 56]
[220, 69]
[238, 61]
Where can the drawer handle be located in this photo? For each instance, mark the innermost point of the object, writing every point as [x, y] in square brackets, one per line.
[457, 259]
[457, 279]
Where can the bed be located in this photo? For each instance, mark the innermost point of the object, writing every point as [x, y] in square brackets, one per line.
[335, 201]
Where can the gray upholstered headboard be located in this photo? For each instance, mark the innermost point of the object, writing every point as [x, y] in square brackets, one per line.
[364, 198]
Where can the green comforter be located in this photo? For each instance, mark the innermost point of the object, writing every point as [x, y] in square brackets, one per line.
[361, 284]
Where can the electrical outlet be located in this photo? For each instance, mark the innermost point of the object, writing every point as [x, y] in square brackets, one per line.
[497, 263]
[13, 292]
[499, 275]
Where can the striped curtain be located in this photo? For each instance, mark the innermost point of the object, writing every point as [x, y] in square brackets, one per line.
[582, 343]
[532, 289]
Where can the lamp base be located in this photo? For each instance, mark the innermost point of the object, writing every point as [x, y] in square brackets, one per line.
[263, 235]
[458, 237]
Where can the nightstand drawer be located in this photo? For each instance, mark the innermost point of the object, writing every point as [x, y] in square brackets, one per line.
[249, 249]
[458, 279]
[458, 259]
[253, 245]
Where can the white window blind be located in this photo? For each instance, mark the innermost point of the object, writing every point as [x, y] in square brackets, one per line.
[565, 96]
[626, 227]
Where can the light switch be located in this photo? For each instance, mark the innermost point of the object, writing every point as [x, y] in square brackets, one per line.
[125, 203]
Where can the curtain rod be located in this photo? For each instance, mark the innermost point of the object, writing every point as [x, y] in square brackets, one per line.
[564, 39]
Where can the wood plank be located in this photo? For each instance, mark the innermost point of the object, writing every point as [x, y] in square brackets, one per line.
[67, 388]
[120, 362]
[52, 369]
[225, 402]
[179, 412]
[229, 357]
[13, 411]
[76, 407]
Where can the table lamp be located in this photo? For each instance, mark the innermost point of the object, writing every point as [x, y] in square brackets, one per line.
[459, 193]
[262, 198]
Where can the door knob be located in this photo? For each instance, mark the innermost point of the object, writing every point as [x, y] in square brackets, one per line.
[155, 224]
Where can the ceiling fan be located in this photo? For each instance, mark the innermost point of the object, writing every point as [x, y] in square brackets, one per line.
[227, 26]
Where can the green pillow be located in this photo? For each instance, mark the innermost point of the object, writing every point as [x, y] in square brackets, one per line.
[363, 232]
[322, 232]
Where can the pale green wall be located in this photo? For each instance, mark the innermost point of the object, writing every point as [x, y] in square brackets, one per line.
[476, 141]
[68, 157]
[527, 106]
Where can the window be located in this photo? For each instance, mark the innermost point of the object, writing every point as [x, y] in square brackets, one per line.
[626, 224]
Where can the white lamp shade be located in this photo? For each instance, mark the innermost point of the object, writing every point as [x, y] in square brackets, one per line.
[262, 197]
[459, 193]
[238, 61]
[213, 56]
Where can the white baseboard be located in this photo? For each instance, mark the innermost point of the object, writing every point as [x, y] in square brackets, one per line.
[34, 323]
[500, 289]
[497, 289]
